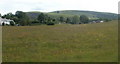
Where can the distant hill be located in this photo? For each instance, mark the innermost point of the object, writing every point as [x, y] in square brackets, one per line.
[33, 15]
[90, 14]
[70, 13]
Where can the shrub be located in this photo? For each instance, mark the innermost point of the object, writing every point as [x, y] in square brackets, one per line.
[50, 23]
[12, 23]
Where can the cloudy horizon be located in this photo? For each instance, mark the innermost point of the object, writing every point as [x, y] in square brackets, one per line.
[7, 6]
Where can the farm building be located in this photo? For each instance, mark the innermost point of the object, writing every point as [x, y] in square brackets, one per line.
[5, 21]
[98, 21]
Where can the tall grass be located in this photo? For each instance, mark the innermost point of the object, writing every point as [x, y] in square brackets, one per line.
[61, 43]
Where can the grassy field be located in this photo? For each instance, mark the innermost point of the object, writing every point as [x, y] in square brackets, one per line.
[61, 43]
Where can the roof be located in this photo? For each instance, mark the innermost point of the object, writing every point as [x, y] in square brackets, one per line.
[5, 20]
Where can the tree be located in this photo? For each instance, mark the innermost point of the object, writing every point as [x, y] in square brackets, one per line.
[20, 14]
[15, 18]
[42, 18]
[23, 19]
[105, 19]
[8, 16]
[12, 23]
[84, 19]
[75, 20]
[62, 19]
[53, 19]
[50, 21]
[68, 20]
[11, 16]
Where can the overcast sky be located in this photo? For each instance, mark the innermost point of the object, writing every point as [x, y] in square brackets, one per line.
[7, 6]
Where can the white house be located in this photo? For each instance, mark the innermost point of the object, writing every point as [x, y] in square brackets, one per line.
[101, 21]
[98, 21]
[5, 21]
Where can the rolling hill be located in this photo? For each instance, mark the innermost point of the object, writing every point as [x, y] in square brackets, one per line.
[70, 13]
[91, 14]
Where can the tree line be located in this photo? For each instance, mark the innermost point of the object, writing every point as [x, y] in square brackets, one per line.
[22, 19]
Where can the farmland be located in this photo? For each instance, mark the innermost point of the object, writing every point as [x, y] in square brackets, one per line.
[61, 43]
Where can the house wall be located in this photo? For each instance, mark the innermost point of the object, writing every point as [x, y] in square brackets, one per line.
[6, 21]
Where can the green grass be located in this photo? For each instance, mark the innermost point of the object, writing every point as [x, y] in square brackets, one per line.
[61, 43]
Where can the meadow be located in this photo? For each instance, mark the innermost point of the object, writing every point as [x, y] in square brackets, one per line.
[61, 43]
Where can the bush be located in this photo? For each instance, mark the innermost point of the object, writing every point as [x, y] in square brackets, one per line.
[12, 23]
[35, 21]
[84, 19]
[50, 23]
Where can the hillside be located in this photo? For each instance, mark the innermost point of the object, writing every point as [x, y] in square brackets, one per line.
[90, 14]
[69, 13]
[34, 15]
